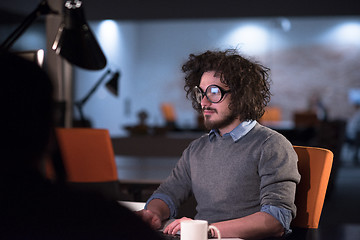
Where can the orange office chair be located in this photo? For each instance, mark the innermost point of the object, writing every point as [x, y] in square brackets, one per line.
[314, 166]
[89, 160]
[169, 114]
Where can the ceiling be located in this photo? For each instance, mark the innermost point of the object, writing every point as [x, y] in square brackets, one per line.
[12, 11]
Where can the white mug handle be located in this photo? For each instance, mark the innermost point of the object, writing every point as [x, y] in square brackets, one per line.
[217, 231]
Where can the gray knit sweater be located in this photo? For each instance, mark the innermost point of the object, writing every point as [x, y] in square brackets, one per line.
[234, 179]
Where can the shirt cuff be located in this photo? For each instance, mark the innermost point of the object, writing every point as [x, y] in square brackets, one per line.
[283, 215]
[167, 200]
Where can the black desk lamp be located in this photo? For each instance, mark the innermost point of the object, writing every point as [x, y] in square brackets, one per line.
[74, 41]
[42, 9]
[111, 85]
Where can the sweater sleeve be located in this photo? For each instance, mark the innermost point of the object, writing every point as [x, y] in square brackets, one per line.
[167, 200]
[278, 173]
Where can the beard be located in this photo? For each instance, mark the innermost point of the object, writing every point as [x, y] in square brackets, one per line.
[218, 124]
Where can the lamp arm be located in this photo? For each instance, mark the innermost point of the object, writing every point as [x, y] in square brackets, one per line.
[93, 89]
[80, 109]
[42, 9]
[79, 104]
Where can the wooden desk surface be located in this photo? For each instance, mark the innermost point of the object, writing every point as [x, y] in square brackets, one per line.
[152, 145]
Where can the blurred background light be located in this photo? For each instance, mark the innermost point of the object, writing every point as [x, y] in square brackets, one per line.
[109, 36]
[346, 33]
[249, 38]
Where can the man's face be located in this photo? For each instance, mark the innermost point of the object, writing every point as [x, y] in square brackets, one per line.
[217, 115]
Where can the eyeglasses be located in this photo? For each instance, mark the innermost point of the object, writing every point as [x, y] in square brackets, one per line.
[213, 93]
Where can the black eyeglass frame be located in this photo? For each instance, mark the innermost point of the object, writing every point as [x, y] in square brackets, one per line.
[203, 93]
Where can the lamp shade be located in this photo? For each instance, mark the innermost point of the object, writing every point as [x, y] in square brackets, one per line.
[75, 42]
[113, 84]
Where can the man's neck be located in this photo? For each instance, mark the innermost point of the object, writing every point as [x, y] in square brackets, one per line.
[229, 127]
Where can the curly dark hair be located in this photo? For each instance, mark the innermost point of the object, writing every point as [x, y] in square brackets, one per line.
[248, 81]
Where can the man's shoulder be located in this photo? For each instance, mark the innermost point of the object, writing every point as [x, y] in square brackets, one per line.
[266, 134]
[202, 139]
[264, 131]
[199, 142]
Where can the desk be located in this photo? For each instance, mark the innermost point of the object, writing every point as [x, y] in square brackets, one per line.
[136, 206]
[169, 145]
[137, 173]
[144, 170]
[133, 206]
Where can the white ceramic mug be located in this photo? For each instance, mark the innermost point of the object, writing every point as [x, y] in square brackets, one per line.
[196, 230]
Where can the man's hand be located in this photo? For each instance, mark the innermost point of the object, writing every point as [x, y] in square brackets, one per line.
[151, 218]
[174, 227]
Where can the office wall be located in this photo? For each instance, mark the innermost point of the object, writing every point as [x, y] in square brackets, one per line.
[309, 58]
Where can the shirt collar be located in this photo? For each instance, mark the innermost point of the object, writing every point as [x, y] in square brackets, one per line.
[241, 130]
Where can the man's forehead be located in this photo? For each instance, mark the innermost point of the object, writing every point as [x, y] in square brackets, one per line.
[211, 77]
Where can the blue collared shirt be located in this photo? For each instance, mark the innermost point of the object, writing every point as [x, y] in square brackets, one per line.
[241, 130]
[283, 215]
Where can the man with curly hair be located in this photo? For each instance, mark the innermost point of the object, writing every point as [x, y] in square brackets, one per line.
[243, 175]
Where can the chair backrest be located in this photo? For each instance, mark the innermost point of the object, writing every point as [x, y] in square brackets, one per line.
[88, 154]
[168, 112]
[315, 167]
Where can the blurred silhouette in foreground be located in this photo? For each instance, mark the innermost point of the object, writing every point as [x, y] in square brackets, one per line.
[31, 206]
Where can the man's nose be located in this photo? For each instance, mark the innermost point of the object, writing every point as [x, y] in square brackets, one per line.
[205, 101]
